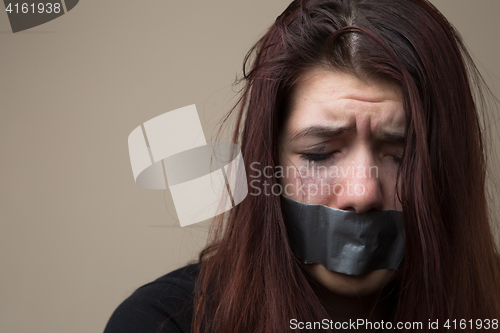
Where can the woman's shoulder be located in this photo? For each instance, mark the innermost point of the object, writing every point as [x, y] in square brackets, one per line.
[161, 306]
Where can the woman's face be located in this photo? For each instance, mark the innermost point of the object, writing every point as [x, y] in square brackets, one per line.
[341, 147]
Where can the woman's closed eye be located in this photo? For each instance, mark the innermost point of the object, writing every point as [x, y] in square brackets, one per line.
[316, 157]
[396, 158]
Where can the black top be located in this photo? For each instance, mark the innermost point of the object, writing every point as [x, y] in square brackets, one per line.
[162, 306]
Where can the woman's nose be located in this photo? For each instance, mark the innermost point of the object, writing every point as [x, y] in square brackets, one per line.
[360, 189]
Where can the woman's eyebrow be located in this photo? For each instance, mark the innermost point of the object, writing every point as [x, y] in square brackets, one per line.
[322, 131]
[392, 137]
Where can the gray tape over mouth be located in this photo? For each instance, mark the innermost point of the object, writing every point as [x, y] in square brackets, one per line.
[344, 241]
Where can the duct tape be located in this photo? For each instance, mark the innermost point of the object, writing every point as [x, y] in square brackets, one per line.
[344, 241]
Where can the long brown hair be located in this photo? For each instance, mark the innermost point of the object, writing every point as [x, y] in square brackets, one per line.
[250, 281]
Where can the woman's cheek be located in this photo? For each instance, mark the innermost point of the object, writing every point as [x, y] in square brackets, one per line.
[313, 184]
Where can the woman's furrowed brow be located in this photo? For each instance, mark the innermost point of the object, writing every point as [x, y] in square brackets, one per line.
[392, 137]
[321, 131]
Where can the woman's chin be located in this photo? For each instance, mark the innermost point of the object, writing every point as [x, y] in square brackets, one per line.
[351, 285]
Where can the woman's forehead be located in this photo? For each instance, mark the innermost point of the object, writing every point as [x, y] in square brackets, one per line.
[320, 82]
[329, 98]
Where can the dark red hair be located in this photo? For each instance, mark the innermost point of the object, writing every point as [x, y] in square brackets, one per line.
[250, 281]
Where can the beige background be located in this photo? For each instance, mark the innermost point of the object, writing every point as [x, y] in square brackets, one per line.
[77, 235]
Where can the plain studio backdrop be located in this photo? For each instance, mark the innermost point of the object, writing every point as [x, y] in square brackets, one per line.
[77, 234]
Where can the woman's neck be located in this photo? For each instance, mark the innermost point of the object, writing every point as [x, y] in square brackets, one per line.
[375, 307]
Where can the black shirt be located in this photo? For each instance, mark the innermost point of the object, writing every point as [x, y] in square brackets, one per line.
[162, 306]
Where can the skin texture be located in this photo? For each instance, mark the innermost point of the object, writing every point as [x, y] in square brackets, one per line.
[353, 170]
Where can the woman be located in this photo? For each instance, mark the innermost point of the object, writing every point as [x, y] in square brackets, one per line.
[383, 84]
